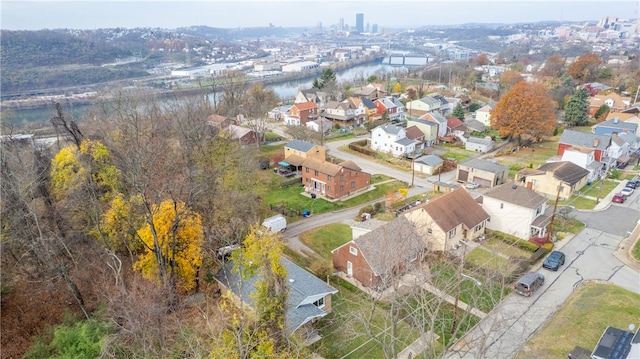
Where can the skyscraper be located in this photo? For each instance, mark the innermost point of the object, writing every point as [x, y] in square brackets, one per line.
[359, 22]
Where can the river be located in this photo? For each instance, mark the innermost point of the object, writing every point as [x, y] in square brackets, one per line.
[33, 117]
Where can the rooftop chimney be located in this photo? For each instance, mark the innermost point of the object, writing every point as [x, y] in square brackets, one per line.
[596, 142]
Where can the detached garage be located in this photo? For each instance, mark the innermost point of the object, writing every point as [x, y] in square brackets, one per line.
[485, 173]
[429, 164]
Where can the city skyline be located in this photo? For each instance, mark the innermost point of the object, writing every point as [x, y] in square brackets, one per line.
[93, 14]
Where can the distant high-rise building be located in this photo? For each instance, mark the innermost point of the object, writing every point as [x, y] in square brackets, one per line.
[374, 28]
[341, 25]
[359, 22]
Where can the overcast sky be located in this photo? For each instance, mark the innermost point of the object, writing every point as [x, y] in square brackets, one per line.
[92, 14]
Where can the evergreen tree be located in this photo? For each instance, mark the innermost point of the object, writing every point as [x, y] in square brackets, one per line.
[459, 112]
[576, 111]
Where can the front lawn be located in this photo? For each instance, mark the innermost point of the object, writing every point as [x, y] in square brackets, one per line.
[482, 258]
[511, 251]
[326, 238]
[582, 319]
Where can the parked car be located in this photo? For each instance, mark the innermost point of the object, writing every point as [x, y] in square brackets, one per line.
[225, 252]
[529, 283]
[627, 191]
[618, 197]
[554, 260]
[472, 185]
[633, 183]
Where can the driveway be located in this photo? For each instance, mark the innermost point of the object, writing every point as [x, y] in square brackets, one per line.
[505, 331]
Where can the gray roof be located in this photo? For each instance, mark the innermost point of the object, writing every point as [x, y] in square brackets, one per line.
[389, 128]
[628, 137]
[304, 289]
[429, 160]
[475, 125]
[485, 165]
[480, 140]
[584, 139]
[421, 121]
[300, 145]
[565, 171]
[617, 124]
[406, 141]
[429, 100]
[518, 195]
[387, 246]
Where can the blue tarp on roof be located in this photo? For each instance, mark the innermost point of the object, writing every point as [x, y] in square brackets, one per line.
[283, 164]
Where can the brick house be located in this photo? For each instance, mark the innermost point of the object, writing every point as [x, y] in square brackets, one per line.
[377, 258]
[301, 113]
[333, 180]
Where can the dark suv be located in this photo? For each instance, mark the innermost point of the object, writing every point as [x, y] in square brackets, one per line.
[554, 260]
[529, 283]
[633, 183]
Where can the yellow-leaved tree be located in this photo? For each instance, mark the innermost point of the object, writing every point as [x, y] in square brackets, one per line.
[173, 241]
[262, 333]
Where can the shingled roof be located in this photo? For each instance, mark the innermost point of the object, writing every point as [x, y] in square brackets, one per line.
[389, 245]
[452, 209]
[565, 171]
[518, 195]
[584, 139]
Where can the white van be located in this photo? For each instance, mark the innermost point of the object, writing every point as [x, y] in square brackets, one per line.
[276, 223]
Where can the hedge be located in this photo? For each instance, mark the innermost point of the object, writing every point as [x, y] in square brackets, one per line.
[522, 244]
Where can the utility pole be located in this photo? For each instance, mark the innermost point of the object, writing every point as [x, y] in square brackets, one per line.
[555, 208]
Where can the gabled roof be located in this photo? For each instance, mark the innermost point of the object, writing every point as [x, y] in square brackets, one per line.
[304, 289]
[454, 122]
[300, 145]
[430, 101]
[423, 122]
[386, 103]
[618, 101]
[328, 167]
[565, 171]
[413, 132]
[480, 140]
[429, 160]
[387, 246]
[369, 104]
[485, 165]
[390, 129]
[440, 98]
[405, 141]
[584, 139]
[485, 108]
[238, 132]
[628, 137]
[452, 209]
[434, 116]
[475, 125]
[517, 195]
[303, 106]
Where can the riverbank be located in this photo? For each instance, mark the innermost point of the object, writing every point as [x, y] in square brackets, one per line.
[183, 87]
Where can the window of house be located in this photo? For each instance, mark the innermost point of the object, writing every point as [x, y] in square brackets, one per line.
[452, 233]
[319, 303]
[534, 182]
[353, 250]
[308, 180]
[501, 205]
[538, 210]
[315, 173]
[328, 177]
[329, 188]
[353, 184]
[341, 177]
[429, 231]
[341, 188]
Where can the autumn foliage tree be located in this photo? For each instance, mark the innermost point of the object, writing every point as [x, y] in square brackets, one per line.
[585, 68]
[526, 109]
[508, 79]
[553, 66]
[172, 244]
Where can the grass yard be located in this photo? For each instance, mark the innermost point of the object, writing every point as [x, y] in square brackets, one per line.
[504, 248]
[582, 319]
[456, 153]
[482, 258]
[636, 251]
[344, 333]
[484, 297]
[326, 238]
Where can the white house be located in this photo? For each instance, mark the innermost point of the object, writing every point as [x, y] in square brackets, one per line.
[478, 144]
[516, 210]
[428, 164]
[320, 124]
[483, 114]
[392, 139]
[585, 158]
